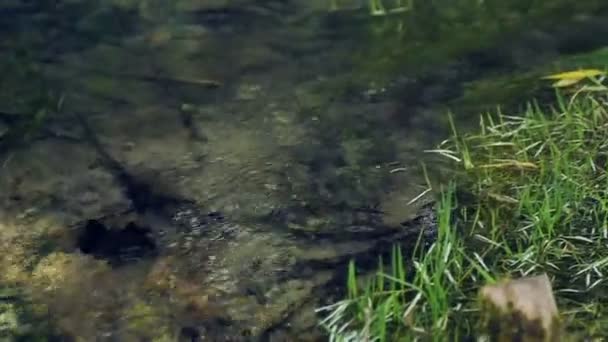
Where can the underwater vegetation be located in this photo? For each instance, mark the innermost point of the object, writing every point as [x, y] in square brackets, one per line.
[432, 33]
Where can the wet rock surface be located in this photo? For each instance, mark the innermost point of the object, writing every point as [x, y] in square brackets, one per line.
[224, 278]
[208, 207]
[226, 213]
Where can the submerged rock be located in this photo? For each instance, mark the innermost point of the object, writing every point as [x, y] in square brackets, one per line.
[217, 274]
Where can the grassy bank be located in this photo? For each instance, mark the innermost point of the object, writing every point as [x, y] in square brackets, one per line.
[529, 197]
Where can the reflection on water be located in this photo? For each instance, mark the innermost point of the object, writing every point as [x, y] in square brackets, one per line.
[283, 139]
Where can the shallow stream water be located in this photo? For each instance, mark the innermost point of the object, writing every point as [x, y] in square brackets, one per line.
[204, 170]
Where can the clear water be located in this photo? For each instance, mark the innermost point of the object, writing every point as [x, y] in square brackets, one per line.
[303, 127]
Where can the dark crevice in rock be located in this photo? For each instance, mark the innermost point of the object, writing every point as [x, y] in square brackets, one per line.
[189, 334]
[118, 246]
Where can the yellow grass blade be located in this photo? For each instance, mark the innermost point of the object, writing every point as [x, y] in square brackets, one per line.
[566, 82]
[575, 75]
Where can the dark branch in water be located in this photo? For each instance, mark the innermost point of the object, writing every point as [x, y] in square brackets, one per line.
[139, 192]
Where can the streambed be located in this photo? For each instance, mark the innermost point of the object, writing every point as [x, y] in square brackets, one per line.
[277, 151]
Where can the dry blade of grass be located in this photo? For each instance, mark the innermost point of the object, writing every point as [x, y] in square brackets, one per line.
[510, 164]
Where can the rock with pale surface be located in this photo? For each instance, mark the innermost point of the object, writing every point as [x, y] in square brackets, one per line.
[521, 309]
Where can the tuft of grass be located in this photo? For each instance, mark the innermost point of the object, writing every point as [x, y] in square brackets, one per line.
[530, 196]
[540, 187]
[414, 300]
